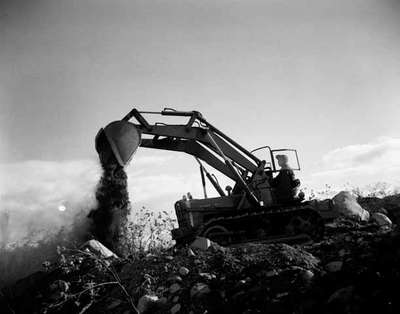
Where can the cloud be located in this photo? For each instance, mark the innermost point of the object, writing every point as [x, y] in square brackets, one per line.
[384, 149]
[361, 164]
[32, 191]
[152, 187]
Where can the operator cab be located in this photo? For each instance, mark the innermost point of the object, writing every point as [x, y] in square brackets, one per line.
[280, 165]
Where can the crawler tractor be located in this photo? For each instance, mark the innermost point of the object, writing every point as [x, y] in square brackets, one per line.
[250, 211]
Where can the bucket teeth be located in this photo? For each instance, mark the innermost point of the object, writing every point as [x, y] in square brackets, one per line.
[119, 139]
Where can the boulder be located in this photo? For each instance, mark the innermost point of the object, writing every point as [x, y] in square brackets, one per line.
[345, 203]
[99, 249]
[201, 243]
[381, 219]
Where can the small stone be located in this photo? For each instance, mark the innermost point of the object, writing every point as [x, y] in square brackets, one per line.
[199, 290]
[183, 271]
[271, 273]
[163, 300]
[342, 252]
[342, 295]
[307, 275]
[207, 276]
[174, 278]
[334, 267]
[296, 268]
[175, 299]
[383, 211]
[331, 225]
[282, 294]
[168, 257]
[114, 304]
[59, 285]
[147, 302]
[174, 288]
[148, 277]
[190, 252]
[175, 309]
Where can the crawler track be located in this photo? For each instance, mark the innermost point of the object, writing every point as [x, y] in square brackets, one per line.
[287, 224]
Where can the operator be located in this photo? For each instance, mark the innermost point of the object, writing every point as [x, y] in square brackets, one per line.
[285, 183]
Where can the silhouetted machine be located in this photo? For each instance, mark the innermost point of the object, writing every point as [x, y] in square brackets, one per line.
[249, 211]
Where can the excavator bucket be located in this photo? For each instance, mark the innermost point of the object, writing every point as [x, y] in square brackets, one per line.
[119, 139]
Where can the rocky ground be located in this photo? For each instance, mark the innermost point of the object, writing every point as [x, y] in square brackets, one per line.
[354, 269]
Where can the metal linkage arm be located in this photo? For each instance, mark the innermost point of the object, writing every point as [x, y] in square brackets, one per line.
[200, 135]
[193, 140]
[231, 149]
[193, 148]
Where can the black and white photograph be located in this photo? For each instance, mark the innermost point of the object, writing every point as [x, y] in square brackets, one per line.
[199, 156]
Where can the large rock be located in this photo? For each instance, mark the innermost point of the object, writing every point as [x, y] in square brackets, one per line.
[381, 219]
[99, 249]
[346, 204]
[201, 243]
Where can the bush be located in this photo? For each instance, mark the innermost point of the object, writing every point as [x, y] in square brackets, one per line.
[149, 231]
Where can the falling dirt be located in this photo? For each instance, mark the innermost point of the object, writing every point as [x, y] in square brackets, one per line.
[109, 220]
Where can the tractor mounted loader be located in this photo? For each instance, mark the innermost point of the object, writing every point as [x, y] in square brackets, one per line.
[250, 211]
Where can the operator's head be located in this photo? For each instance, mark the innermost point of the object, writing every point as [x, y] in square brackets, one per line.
[282, 160]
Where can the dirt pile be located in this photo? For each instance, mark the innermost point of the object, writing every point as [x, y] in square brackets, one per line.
[353, 269]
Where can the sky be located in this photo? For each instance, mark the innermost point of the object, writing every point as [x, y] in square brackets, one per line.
[319, 76]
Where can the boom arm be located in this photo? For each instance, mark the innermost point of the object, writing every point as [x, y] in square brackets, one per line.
[203, 141]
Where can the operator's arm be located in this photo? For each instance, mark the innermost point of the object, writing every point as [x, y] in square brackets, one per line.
[294, 182]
